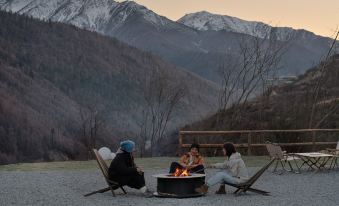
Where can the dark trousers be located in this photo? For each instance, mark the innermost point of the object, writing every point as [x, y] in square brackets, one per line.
[135, 181]
[198, 169]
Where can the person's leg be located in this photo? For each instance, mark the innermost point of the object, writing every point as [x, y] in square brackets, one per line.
[220, 178]
[121, 180]
[221, 190]
[175, 165]
[198, 169]
[136, 181]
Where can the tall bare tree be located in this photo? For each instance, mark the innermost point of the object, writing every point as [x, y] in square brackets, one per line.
[247, 70]
[162, 96]
[91, 124]
[317, 89]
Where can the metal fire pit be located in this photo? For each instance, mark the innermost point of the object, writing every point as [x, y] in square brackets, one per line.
[178, 187]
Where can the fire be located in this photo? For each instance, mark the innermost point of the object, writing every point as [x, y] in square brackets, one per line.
[180, 172]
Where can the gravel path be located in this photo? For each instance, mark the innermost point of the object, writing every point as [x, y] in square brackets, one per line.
[68, 187]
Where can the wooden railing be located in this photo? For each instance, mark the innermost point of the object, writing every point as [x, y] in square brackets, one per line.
[250, 145]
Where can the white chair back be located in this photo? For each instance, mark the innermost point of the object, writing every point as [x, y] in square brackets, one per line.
[275, 151]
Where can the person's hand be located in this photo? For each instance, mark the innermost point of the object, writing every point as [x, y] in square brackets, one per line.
[139, 170]
[188, 167]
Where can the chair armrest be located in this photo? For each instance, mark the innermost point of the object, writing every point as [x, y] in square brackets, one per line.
[285, 153]
[333, 150]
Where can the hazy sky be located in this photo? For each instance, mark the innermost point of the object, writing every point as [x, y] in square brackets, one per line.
[318, 16]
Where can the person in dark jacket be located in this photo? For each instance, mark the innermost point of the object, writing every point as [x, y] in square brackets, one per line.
[124, 171]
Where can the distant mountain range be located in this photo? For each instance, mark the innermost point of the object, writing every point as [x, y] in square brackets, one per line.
[58, 81]
[197, 42]
[205, 21]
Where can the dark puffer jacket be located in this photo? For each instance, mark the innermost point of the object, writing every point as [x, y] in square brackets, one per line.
[122, 168]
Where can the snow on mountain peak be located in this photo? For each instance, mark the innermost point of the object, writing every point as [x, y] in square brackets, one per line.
[104, 15]
[207, 21]
[131, 7]
[92, 15]
[84, 14]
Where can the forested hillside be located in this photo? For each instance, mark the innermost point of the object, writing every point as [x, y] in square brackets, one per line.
[64, 90]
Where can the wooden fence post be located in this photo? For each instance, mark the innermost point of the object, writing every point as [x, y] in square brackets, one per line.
[313, 140]
[249, 142]
[180, 144]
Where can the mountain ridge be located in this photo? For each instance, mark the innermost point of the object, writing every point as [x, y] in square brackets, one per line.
[54, 77]
[204, 20]
[200, 52]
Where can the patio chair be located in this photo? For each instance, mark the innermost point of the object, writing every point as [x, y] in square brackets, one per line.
[335, 153]
[247, 186]
[336, 150]
[104, 169]
[282, 157]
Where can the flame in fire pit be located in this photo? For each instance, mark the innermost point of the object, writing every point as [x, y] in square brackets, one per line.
[180, 172]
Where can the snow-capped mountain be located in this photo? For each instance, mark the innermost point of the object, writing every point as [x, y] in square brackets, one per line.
[197, 42]
[95, 15]
[204, 21]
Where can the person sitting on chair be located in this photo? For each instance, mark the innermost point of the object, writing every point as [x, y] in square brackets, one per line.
[124, 171]
[192, 161]
[236, 171]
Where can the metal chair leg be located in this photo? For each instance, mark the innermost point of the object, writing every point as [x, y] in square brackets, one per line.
[113, 193]
[296, 164]
[289, 163]
[258, 191]
[123, 190]
[284, 168]
[98, 191]
[239, 191]
[276, 166]
[235, 192]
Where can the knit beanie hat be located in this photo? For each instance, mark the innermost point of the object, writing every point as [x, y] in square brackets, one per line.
[127, 146]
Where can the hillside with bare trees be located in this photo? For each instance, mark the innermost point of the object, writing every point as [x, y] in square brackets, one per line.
[64, 90]
[311, 101]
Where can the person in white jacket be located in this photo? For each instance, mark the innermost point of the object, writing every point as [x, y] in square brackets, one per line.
[234, 171]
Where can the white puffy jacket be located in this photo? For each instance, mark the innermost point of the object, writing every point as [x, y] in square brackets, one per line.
[235, 165]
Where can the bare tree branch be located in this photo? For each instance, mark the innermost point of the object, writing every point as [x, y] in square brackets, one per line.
[320, 81]
[257, 60]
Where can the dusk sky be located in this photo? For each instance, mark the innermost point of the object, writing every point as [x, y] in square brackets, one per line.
[320, 17]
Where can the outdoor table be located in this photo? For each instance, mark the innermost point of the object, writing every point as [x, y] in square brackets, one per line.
[314, 160]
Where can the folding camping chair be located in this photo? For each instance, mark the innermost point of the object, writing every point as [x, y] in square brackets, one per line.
[104, 169]
[246, 186]
[282, 157]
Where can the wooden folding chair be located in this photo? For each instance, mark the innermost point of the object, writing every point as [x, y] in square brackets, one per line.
[246, 186]
[104, 169]
[282, 157]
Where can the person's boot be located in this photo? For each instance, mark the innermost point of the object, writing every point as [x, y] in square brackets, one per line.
[221, 190]
[203, 189]
[148, 194]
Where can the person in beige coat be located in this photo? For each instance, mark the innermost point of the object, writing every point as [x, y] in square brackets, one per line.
[234, 171]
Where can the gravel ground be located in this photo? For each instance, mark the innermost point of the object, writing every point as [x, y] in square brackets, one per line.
[68, 187]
